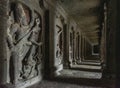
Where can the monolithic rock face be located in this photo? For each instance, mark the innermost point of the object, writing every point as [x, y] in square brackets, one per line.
[50, 31]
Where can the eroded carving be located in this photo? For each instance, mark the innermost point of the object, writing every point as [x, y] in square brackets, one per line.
[23, 39]
[32, 59]
[72, 59]
[71, 49]
[59, 45]
[77, 59]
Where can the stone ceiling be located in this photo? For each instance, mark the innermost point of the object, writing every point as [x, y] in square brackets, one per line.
[87, 14]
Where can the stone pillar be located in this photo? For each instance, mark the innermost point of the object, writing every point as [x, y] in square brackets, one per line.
[74, 47]
[80, 47]
[3, 28]
[77, 47]
[83, 48]
[118, 44]
[66, 46]
[103, 37]
[51, 37]
[110, 38]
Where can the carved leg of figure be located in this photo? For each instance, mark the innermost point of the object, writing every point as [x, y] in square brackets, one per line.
[37, 69]
[74, 61]
[33, 71]
[70, 61]
[58, 68]
[26, 71]
[14, 68]
[37, 58]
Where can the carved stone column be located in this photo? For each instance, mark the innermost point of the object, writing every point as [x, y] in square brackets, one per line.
[71, 47]
[111, 26]
[3, 29]
[83, 47]
[80, 46]
[66, 45]
[59, 43]
[74, 47]
[103, 37]
[81, 52]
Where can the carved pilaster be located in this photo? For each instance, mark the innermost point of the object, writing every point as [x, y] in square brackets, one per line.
[59, 43]
[3, 52]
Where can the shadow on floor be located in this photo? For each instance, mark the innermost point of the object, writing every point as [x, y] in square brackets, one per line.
[75, 83]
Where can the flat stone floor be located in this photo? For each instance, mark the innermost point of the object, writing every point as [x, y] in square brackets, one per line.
[81, 74]
[54, 84]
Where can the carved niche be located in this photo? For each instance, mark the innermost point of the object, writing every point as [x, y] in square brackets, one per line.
[24, 39]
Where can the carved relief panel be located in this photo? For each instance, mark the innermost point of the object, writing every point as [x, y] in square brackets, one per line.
[59, 44]
[71, 47]
[74, 48]
[59, 41]
[25, 42]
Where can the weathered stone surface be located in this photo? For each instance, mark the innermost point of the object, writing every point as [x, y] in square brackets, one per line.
[21, 42]
[3, 27]
[53, 84]
[30, 27]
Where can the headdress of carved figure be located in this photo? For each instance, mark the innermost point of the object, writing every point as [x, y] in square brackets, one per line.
[10, 19]
[37, 21]
[20, 14]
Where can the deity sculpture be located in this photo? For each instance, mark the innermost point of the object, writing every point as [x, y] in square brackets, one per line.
[32, 60]
[59, 52]
[17, 34]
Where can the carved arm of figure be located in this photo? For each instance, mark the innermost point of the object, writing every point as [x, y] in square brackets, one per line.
[60, 31]
[32, 20]
[28, 43]
[10, 33]
[38, 58]
[36, 43]
[33, 39]
[10, 42]
[9, 36]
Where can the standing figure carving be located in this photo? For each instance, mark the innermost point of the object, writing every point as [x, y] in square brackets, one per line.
[32, 59]
[59, 52]
[18, 32]
[70, 55]
[71, 49]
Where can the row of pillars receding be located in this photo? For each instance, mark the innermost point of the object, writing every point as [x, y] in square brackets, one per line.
[80, 48]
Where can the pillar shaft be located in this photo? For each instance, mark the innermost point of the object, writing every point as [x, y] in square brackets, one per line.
[3, 53]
